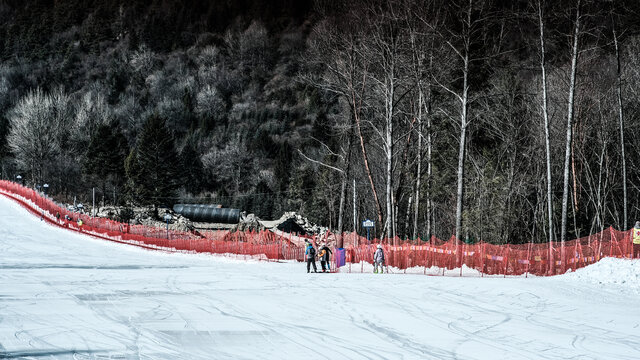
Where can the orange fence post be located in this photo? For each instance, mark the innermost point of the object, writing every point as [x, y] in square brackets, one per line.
[463, 257]
[506, 261]
[611, 242]
[482, 258]
[526, 274]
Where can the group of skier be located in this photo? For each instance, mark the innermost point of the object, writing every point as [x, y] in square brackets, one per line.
[324, 254]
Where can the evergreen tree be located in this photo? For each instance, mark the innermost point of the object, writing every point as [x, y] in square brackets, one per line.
[262, 201]
[152, 167]
[282, 165]
[192, 169]
[132, 170]
[302, 181]
[106, 154]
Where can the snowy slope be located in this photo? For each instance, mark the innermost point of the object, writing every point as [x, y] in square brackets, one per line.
[611, 273]
[67, 296]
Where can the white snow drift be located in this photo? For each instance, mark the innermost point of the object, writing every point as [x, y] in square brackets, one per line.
[68, 296]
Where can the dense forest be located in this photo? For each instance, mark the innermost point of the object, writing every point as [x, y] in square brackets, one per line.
[503, 121]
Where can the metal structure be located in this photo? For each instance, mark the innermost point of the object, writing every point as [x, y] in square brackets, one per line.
[208, 213]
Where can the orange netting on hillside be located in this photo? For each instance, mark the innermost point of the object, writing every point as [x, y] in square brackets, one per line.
[538, 259]
[530, 258]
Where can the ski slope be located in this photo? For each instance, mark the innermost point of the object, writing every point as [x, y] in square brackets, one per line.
[68, 296]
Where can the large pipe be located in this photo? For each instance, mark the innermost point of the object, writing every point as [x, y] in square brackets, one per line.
[208, 213]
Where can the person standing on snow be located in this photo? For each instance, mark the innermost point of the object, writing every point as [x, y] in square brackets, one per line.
[378, 260]
[636, 241]
[324, 255]
[310, 254]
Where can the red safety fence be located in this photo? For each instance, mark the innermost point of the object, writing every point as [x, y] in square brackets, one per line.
[257, 244]
[522, 259]
[532, 258]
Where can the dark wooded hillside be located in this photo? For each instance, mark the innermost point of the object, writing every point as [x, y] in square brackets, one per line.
[438, 111]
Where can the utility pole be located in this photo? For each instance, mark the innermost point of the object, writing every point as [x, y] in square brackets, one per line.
[94, 203]
[167, 217]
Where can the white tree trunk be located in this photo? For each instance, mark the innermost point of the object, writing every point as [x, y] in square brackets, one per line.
[567, 155]
[389, 154]
[621, 125]
[408, 215]
[343, 188]
[429, 170]
[464, 100]
[461, 148]
[545, 113]
[355, 216]
[419, 170]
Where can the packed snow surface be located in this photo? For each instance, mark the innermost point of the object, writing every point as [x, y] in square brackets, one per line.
[65, 295]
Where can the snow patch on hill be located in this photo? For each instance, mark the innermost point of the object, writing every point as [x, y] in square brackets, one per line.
[623, 273]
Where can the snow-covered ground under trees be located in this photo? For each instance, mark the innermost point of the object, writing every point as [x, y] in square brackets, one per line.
[68, 296]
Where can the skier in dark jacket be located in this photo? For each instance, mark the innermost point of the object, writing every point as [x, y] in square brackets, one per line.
[324, 254]
[310, 254]
[378, 260]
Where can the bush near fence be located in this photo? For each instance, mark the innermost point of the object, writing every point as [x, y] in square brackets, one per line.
[509, 259]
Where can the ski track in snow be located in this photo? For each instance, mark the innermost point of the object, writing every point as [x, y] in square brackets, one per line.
[64, 295]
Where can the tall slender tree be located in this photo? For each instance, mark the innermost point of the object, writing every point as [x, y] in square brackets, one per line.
[545, 118]
[621, 126]
[570, 111]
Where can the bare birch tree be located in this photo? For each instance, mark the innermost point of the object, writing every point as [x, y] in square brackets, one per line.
[344, 74]
[621, 125]
[458, 41]
[422, 53]
[384, 49]
[545, 118]
[570, 109]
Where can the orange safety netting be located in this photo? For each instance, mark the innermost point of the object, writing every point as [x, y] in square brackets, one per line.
[263, 244]
[531, 258]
